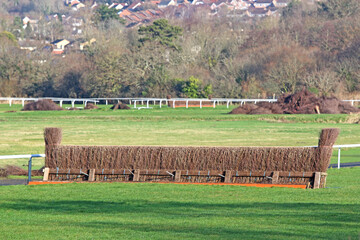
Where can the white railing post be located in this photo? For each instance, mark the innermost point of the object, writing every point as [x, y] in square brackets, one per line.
[227, 104]
[73, 103]
[147, 103]
[160, 103]
[134, 103]
[187, 103]
[200, 103]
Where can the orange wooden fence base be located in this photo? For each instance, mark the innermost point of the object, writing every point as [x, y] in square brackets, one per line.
[231, 184]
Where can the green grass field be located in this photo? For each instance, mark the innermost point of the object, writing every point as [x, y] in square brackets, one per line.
[168, 211]
[22, 132]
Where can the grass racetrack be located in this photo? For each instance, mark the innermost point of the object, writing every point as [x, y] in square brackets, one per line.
[167, 211]
[22, 132]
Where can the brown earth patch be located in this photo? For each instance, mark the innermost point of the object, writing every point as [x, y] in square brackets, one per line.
[120, 106]
[42, 105]
[91, 106]
[15, 170]
[303, 102]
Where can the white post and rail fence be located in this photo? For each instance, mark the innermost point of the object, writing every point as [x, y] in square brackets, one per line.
[147, 101]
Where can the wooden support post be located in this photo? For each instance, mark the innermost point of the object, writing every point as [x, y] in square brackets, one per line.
[323, 175]
[177, 176]
[317, 177]
[275, 177]
[136, 175]
[46, 174]
[91, 175]
[227, 176]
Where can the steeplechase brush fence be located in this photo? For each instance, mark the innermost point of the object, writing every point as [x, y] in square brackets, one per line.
[273, 165]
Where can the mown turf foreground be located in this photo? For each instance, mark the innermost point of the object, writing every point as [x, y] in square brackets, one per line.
[168, 211]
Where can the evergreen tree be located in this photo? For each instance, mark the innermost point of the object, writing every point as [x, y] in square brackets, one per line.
[162, 32]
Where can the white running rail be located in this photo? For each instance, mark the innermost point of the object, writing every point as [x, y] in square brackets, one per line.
[160, 101]
[20, 156]
[60, 100]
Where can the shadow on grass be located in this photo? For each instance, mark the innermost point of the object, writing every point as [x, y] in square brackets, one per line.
[205, 219]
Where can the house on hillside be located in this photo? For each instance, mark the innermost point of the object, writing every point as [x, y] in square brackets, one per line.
[272, 10]
[166, 3]
[59, 46]
[77, 6]
[240, 4]
[71, 2]
[118, 6]
[140, 17]
[87, 43]
[136, 4]
[281, 3]
[29, 22]
[262, 3]
[124, 13]
[182, 2]
[221, 4]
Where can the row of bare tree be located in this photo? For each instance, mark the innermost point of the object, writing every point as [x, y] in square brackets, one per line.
[316, 46]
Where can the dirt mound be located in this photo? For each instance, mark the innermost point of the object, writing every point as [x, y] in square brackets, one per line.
[18, 171]
[39, 172]
[15, 170]
[42, 105]
[120, 106]
[303, 102]
[91, 106]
